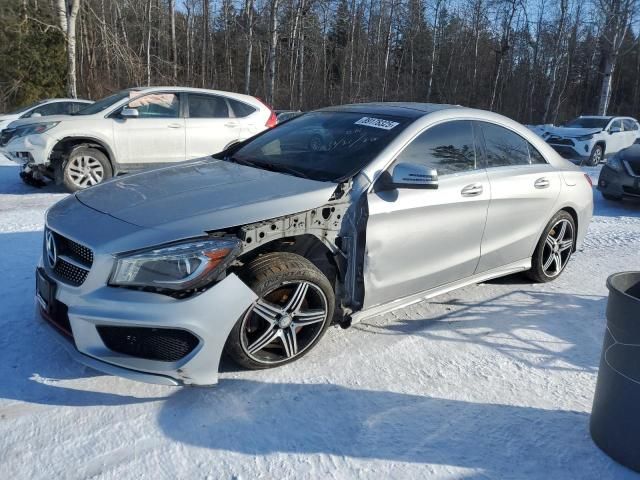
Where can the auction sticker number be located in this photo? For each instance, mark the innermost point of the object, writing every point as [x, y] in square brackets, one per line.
[377, 123]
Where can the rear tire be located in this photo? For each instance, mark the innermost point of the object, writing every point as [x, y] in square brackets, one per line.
[597, 154]
[554, 248]
[294, 310]
[85, 167]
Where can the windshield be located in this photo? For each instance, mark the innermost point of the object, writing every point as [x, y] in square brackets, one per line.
[24, 109]
[101, 105]
[588, 122]
[325, 146]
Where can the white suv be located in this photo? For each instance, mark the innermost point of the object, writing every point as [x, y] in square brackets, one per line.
[43, 108]
[132, 130]
[591, 138]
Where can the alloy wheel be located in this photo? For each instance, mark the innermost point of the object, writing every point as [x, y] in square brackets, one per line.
[284, 323]
[85, 171]
[597, 156]
[557, 248]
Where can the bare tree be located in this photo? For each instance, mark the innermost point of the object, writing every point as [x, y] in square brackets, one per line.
[67, 16]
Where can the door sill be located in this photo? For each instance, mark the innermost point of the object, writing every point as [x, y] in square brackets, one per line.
[376, 310]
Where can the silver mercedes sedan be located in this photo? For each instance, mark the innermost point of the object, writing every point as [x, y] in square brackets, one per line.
[335, 216]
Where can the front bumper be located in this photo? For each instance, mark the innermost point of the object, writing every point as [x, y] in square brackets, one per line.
[209, 316]
[618, 184]
[572, 149]
[32, 149]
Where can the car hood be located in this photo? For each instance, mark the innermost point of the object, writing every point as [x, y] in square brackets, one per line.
[631, 155]
[204, 195]
[47, 118]
[572, 132]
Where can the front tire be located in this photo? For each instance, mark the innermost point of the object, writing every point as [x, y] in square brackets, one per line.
[295, 308]
[85, 167]
[597, 154]
[554, 248]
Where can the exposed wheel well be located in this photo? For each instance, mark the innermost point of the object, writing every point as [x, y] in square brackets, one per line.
[66, 145]
[602, 144]
[307, 246]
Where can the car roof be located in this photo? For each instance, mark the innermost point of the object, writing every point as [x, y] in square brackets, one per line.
[238, 96]
[401, 109]
[53, 100]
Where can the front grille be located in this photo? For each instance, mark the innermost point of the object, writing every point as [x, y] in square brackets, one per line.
[70, 273]
[163, 344]
[560, 141]
[73, 261]
[5, 136]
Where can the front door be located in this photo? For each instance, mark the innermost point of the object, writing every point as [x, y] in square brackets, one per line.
[420, 239]
[157, 135]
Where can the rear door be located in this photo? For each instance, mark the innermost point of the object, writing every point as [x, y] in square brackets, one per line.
[210, 123]
[524, 189]
[157, 135]
[420, 239]
[630, 131]
[616, 140]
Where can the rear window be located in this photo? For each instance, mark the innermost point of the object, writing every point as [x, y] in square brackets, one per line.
[240, 109]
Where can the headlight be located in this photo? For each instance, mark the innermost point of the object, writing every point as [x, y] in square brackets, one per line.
[584, 138]
[33, 128]
[615, 163]
[181, 266]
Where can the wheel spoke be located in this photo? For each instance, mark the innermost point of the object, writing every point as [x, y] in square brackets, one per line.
[267, 311]
[565, 245]
[549, 261]
[308, 317]
[297, 298]
[558, 262]
[563, 230]
[265, 339]
[550, 242]
[290, 341]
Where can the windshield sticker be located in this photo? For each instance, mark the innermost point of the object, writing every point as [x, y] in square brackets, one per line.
[377, 123]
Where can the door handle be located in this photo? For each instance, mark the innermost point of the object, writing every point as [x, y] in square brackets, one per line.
[174, 125]
[472, 190]
[542, 183]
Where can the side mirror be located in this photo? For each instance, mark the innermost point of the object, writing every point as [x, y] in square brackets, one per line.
[35, 115]
[614, 130]
[413, 175]
[129, 113]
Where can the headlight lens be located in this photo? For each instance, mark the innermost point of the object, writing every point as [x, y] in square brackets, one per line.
[584, 138]
[615, 163]
[177, 267]
[33, 128]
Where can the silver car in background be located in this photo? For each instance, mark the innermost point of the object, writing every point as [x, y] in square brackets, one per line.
[258, 250]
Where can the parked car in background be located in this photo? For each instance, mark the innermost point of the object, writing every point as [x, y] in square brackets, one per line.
[258, 250]
[132, 130]
[590, 139]
[43, 108]
[284, 115]
[620, 176]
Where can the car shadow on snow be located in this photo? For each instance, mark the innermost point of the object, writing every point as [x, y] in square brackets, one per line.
[258, 418]
[551, 331]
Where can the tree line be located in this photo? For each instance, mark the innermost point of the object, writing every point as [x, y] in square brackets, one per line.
[538, 61]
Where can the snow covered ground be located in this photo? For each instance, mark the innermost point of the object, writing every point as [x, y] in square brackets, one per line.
[492, 381]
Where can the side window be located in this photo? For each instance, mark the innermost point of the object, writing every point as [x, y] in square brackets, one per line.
[535, 156]
[54, 108]
[207, 106]
[76, 106]
[616, 124]
[240, 109]
[629, 125]
[448, 147]
[504, 147]
[157, 105]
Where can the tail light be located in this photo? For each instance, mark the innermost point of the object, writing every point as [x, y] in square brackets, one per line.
[273, 120]
[588, 179]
